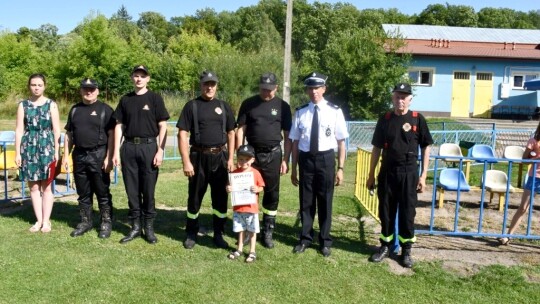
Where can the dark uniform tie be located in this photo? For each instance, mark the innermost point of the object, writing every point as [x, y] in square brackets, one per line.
[314, 138]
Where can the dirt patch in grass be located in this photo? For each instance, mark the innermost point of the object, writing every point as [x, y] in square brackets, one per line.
[466, 256]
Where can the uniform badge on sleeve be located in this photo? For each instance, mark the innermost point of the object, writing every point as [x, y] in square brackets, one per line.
[218, 110]
[407, 127]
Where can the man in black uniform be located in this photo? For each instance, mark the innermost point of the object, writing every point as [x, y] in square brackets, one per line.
[398, 135]
[261, 120]
[90, 128]
[207, 124]
[141, 116]
[319, 128]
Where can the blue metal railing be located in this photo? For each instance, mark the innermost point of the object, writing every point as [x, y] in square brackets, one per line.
[480, 229]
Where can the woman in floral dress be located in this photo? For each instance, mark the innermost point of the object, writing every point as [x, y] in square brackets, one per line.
[36, 146]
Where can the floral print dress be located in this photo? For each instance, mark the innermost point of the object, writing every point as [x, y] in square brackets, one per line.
[37, 144]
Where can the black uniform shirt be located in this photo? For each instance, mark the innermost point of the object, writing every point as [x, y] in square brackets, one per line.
[210, 118]
[141, 114]
[264, 120]
[88, 128]
[402, 141]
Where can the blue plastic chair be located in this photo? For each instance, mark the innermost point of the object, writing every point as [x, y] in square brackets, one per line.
[485, 152]
[448, 181]
[7, 138]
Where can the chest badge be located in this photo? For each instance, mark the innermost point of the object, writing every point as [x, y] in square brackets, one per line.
[274, 112]
[146, 107]
[406, 127]
[93, 113]
[328, 132]
[218, 110]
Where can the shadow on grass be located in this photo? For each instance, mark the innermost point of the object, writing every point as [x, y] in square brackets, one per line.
[344, 238]
[171, 224]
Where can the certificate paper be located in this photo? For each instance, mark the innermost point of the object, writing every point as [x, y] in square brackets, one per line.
[241, 184]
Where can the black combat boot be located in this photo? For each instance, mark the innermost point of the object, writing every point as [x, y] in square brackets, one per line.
[383, 253]
[269, 225]
[86, 222]
[406, 258]
[134, 232]
[149, 231]
[106, 223]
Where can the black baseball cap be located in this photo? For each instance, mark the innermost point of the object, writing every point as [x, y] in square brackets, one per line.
[403, 87]
[207, 76]
[246, 150]
[268, 81]
[89, 83]
[142, 68]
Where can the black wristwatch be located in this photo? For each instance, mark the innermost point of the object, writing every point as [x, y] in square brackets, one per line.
[340, 168]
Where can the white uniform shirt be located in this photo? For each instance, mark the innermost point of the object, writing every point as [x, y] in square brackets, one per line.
[332, 126]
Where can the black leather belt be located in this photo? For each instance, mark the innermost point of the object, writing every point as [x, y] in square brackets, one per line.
[211, 150]
[140, 140]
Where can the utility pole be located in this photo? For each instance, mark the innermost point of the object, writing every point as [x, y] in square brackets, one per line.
[287, 57]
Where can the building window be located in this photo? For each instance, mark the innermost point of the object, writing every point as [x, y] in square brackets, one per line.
[520, 78]
[421, 76]
[484, 76]
[462, 75]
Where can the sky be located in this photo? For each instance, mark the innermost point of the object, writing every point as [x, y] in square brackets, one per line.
[67, 14]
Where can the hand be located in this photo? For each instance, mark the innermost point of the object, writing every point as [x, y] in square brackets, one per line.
[158, 158]
[370, 183]
[65, 163]
[284, 168]
[230, 165]
[339, 177]
[421, 185]
[116, 160]
[17, 160]
[107, 165]
[294, 179]
[189, 171]
[228, 188]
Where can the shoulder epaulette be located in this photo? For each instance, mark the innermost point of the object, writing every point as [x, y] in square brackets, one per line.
[335, 106]
[302, 106]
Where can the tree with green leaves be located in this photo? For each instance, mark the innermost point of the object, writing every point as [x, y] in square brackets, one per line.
[96, 53]
[363, 66]
[19, 58]
[156, 25]
[451, 15]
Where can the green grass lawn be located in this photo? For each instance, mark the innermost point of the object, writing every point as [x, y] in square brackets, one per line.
[56, 268]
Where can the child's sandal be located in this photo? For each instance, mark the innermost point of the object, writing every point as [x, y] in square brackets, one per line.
[251, 257]
[233, 255]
